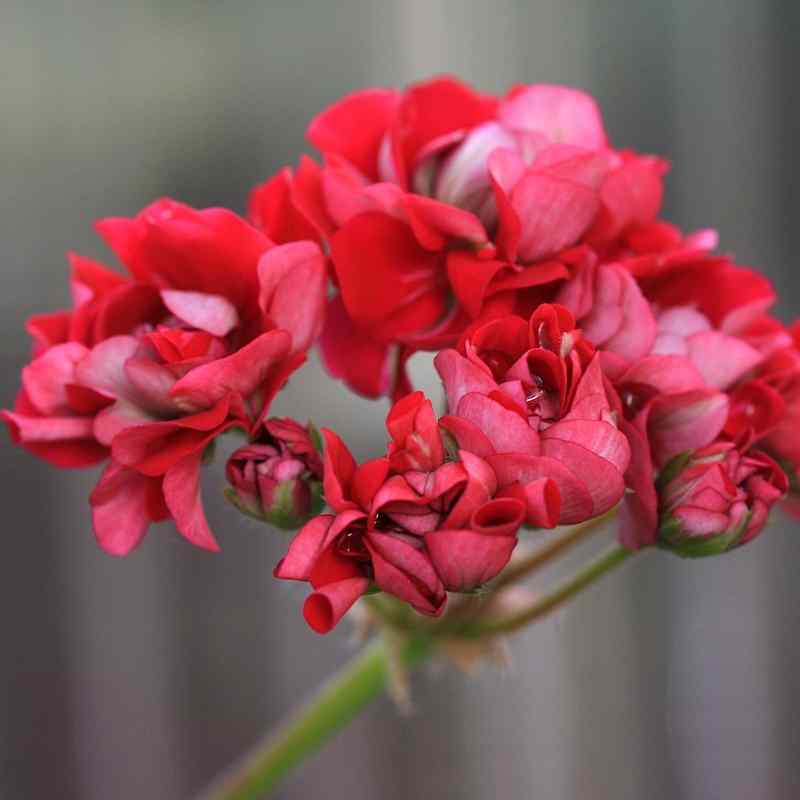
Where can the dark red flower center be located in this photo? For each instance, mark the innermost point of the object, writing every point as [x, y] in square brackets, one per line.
[498, 362]
[350, 544]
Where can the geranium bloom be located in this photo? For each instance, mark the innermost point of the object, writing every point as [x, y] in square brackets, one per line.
[208, 328]
[530, 398]
[411, 523]
[716, 499]
[439, 200]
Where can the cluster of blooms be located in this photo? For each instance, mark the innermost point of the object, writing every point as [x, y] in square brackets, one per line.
[592, 354]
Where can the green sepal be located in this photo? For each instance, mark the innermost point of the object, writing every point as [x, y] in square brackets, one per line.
[672, 469]
[450, 445]
[672, 537]
[316, 437]
[233, 498]
[208, 452]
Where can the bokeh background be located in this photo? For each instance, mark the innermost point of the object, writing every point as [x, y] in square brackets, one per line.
[142, 678]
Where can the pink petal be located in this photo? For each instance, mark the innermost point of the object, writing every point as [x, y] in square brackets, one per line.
[686, 421]
[182, 495]
[120, 508]
[406, 572]
[601, 438]
[564, 115]
[721, 359]
[324, 608]
[461, 376]
[554, 214]
[666, 374]
[340, 466]
[48, 429]
[506, 430]
[352, 355]
[104, 367]
[576, 501]
[208, 312]
[638, 514]
[542, 500]
[602, 478]
[305, 549]
[293, 279]
[46, 377]
[242, 373]
[468, 435]
[466, 559]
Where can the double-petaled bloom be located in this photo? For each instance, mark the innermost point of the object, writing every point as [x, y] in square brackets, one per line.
[410, 523]
[440, 202]
[529, 397]
[151, 368]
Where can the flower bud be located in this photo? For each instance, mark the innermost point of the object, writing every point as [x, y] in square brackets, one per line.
[716, 498]
[278, 479]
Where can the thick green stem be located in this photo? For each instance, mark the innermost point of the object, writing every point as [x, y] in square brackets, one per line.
[360, 681]
[610, 559]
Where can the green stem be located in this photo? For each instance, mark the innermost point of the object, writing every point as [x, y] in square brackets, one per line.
[360, 681]
[610, 559]
[532, 562]
[364, 678]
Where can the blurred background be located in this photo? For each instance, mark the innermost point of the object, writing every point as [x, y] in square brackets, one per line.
[142, 678]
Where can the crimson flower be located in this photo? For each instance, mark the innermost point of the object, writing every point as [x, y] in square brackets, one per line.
[439, 202]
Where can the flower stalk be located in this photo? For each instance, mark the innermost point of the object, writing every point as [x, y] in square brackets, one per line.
[367, 674]
[361, 680]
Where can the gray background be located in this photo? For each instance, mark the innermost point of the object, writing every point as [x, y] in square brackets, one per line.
[142, 678]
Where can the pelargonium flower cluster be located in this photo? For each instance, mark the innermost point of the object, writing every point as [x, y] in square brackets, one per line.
[592, 355]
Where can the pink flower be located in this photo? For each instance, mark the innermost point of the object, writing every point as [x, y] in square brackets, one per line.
[278, 478]
[208, 328]
[716, 499]
[530, 399]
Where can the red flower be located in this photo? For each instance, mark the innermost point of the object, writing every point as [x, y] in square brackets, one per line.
[412, 522]
[212, 323]
[439, 193]
[529, 397]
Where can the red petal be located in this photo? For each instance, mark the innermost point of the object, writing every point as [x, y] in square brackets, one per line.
[241, 373]
[182, 496]
[121, 508]
[384, 273]
[272, 209]
[352, 355]
[325, 607]
[354, 127]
